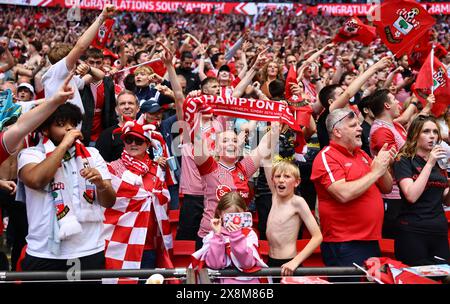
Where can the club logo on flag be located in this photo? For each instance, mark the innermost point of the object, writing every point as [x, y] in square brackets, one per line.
[351, 27]
[438, 79]
[406, 21]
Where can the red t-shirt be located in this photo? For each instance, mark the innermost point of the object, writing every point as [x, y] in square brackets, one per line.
[384, 135]
[360, 219]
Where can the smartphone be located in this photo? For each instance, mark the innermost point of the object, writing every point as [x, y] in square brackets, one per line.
[243, 219]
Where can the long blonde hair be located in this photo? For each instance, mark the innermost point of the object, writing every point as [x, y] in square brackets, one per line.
[409, 149]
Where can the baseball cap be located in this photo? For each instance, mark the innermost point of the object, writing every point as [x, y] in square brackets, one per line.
[26, 85]
[150, 106]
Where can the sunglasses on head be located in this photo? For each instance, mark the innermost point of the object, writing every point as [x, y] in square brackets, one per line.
[130, 139]
[350, 115]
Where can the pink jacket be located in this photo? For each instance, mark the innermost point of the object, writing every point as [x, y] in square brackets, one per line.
[236, 249]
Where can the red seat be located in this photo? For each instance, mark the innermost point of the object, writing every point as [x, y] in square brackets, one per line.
[182, 251]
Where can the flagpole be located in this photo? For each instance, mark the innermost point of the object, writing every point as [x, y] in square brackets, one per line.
[432, 68]
[137, 65]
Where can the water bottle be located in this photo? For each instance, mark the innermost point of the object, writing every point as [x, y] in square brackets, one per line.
[442, 162]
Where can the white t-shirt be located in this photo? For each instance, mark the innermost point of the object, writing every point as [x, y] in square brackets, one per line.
[54, 78]
[39, 205]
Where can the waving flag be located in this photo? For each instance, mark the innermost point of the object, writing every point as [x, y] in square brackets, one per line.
[354, 29]
[290, 78]
[421, 51]
[433, 78]
[103, 34]
[402, 23]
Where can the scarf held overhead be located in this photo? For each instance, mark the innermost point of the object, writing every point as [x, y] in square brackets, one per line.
[253, 109]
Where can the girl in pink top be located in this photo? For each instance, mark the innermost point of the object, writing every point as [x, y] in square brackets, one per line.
[230, 245]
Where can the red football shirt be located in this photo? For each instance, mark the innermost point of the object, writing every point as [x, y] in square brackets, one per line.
[360, 219]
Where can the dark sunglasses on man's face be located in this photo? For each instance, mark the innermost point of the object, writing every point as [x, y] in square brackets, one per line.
[130, 139]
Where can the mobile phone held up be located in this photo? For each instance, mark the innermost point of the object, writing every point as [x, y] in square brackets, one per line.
[243, 219]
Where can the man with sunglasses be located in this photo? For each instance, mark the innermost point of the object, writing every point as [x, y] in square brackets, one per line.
[349, 186]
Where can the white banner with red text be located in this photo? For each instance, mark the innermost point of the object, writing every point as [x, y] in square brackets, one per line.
[204, 7]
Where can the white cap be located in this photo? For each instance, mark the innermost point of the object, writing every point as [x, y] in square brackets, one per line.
[26, 85]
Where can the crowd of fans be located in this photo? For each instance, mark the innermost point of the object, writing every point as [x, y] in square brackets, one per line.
[117, 142]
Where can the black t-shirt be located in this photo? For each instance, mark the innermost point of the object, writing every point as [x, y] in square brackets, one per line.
[109, 145]
[427, 214]
[322, 133]
[365, 137]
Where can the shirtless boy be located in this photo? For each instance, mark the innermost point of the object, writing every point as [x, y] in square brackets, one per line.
[285, 218]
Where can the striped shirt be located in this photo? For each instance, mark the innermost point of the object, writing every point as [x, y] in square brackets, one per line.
[219, 180]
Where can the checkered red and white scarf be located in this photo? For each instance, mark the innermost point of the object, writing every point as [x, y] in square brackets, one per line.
[126, 223]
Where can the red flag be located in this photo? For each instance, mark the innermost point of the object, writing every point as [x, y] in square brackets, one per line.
[354, 29]
[439, 81]
[103, 34]
[291, 77]
[421, 51]
[402, 23]
[157, 66]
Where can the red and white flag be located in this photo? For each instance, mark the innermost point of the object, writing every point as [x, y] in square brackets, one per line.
[355, 29]
[103, 34]
[433, 78]
[402, 23]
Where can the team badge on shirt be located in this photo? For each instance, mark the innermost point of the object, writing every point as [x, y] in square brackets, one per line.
[241, 176]
[221, 191]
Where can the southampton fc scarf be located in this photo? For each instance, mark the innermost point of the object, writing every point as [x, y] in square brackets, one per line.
[67, 214]
[253, 109]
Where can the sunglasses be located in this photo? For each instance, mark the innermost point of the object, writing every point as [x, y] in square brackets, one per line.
[130, 139]
[349, 115]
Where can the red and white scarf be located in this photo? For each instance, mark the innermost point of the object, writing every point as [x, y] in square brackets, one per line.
[68, 214]
[126, 223]
[198, 257]
[262, 110]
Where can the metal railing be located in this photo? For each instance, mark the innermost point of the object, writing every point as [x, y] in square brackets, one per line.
[187, 275]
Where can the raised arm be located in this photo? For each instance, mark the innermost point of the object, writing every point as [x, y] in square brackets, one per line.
[242, 85]
[267, 145]
[201, 64]
[356, 85]
[29, 121]
[9, 59]
[173, 78]
[85, 40]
